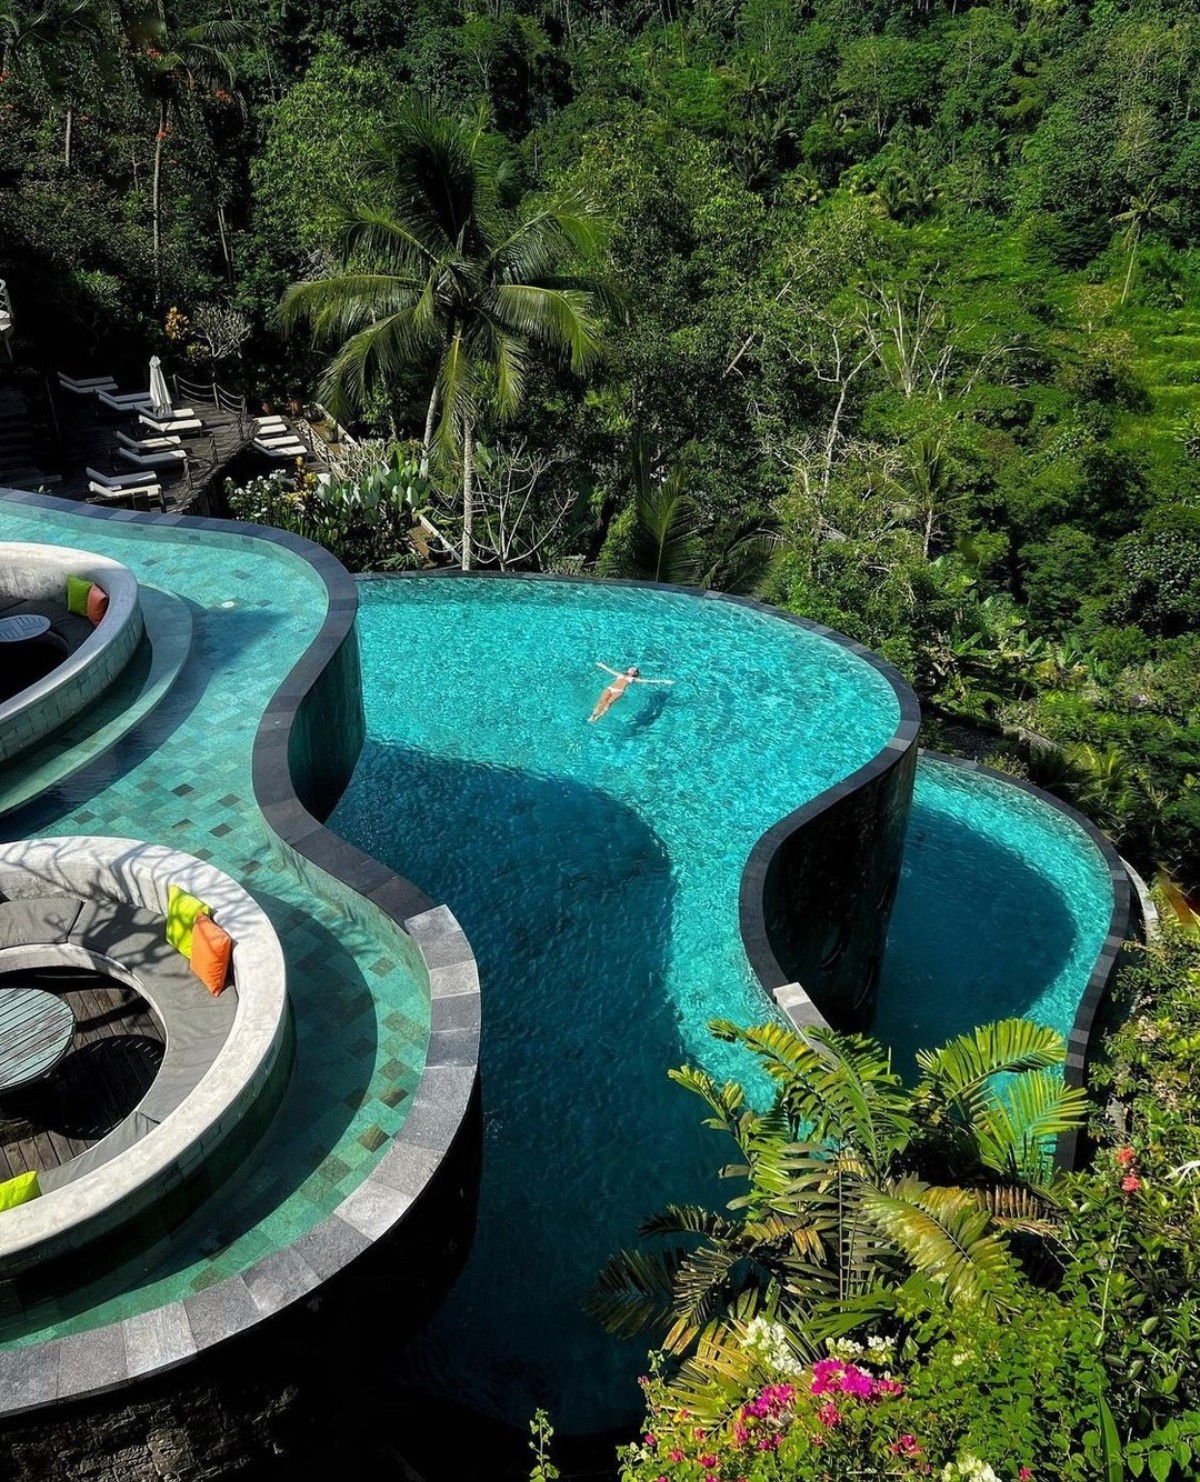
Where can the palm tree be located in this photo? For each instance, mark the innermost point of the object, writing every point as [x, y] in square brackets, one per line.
[665, 538]
[1144, 211]
[181, 64]
[433, 270]
[849, 1214]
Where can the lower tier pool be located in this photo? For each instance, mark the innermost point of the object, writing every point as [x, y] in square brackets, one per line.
[595, 869]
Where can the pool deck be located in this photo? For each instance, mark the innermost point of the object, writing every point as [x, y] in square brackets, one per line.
[383, 983]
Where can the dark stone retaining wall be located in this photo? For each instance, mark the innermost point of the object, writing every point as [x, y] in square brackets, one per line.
[328, 732]
[827, 890]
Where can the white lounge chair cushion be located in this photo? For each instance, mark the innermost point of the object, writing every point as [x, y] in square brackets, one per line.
[154, 460]
[293, 449]
[175, 424]
[115, 480]
[123, 404]
[148, 444]
[81, 388]
[85, 383]
[151, 491]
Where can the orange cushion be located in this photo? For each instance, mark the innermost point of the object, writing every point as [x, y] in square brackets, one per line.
[212, 949]
[97, 604]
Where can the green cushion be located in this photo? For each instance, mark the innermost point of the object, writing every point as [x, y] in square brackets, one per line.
[182, 910]
[78, 588]
[19, 1190]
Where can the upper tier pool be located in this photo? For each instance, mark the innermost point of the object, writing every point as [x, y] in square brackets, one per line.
[184, 778]
[595, 869]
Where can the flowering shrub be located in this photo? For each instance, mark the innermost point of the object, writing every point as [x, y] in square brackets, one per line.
[838, 1417]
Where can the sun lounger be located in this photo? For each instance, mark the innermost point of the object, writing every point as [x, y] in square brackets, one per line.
[291, 448]
[115, 480]
[87, 386]
[148, 444]
[270, 424]
[128, 491]
[122, 404]
[183, 421]
[167, 458]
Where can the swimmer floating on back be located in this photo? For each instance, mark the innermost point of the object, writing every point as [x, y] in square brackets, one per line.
[621, 682]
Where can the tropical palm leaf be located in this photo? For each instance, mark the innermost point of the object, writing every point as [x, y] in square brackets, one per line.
[1014, 1135]
[956, 1077]
[635, 1292]
[944, 1234]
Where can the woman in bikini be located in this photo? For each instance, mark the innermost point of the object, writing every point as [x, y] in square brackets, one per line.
[621, 682]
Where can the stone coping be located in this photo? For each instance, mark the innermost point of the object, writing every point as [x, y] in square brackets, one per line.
[132, 873]
[790, 997]
[1069, 1147]
[113, 1355]
[167, 621]
[40, 571]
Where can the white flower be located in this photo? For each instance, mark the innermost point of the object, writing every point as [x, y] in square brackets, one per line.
[968, 1469]
[768, 1342]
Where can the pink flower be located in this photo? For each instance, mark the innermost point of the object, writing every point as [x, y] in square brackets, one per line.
[699, 1433]
[1024, 1473]
[1125, 1156]
[769, 1443]
[905, 1445]
[888, 1387]
[1131, 1183]
[650, 1438]
[740, 1434]
[829, 1414]
[708, 1462]
[856, 1381]
[674, 1454]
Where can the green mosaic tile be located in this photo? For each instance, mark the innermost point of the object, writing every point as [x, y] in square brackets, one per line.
[359, 1001]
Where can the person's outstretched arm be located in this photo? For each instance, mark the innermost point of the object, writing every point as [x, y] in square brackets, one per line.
[640, 680]
[616, 673]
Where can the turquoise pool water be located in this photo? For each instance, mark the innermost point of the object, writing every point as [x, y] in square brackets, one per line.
[1003, 906]
[362, 1016]
[596, 870]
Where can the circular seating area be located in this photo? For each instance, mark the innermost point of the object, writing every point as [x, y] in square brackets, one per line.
[103, 903]
[59, 661]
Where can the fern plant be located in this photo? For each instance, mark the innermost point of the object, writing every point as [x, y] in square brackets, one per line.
[862, 1197]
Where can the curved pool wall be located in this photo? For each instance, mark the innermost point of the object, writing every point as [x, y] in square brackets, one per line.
[496, 774]
[1097, 950]
[171, 1302]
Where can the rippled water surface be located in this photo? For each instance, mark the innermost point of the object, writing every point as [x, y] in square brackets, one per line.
[595, 869]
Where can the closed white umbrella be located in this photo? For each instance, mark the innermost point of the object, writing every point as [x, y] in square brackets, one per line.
[160, 396]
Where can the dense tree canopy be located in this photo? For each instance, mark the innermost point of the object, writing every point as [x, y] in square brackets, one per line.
[913, 287]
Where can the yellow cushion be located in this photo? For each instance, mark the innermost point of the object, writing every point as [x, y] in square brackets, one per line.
[19, 1190]
[78, 588]
[182, 910]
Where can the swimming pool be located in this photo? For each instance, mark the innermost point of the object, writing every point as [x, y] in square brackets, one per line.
[595, 870]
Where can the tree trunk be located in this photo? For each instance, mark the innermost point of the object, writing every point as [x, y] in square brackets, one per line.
[67, 138]
[155, 200]
[1133, 247]
[427, 441]
[224, 235]
[468, 457]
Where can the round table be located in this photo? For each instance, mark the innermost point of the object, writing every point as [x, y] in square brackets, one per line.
[24, 626]
[36, 1028]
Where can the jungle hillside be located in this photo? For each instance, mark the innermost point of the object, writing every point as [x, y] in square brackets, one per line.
[886, 311]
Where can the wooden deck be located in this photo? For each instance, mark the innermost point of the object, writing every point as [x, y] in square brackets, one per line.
[114, 1057]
